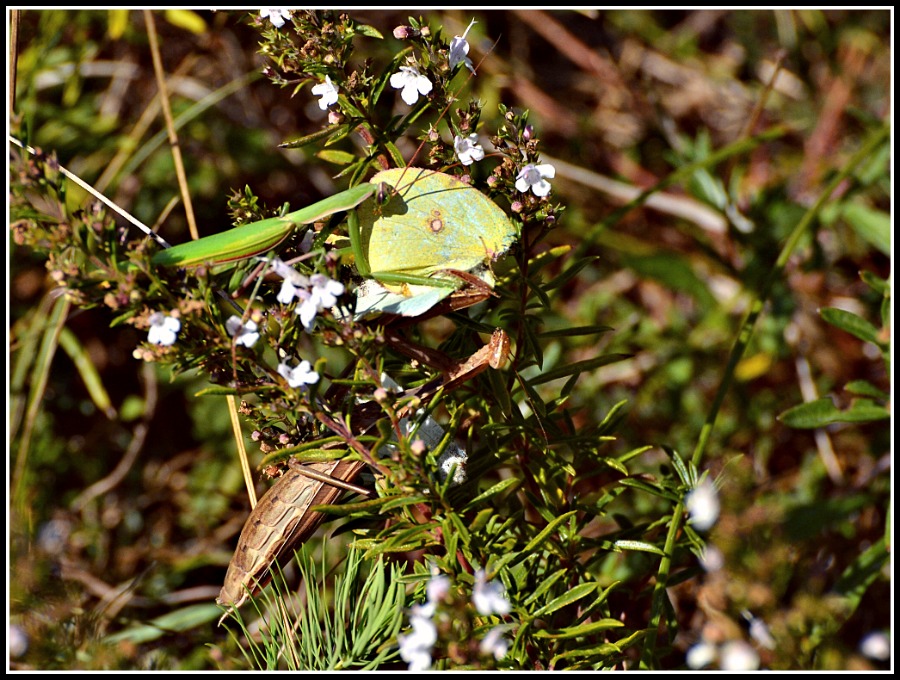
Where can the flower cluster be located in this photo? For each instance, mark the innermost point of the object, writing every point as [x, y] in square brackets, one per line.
[316, 293]
[441, 612]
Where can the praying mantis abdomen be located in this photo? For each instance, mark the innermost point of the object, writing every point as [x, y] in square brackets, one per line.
[280, 523]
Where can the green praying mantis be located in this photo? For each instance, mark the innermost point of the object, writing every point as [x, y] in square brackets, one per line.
[420, 233]
[259, 237]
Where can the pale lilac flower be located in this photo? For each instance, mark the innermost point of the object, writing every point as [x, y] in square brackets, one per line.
[494, 643]
[468, 149]
[163, 329]
[411, 83]
[702, 504]
[243, 333]
[300, 375]
[327, 92]
[489, 598]
[276, 16]
[459, 48]
[535, 177]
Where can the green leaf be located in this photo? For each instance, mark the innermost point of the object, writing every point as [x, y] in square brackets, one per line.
[873, 226]
[604, 650]
[118, 22]
[495, 490]
[336, 156]
[638, 545]
[313, 137]
[369, 31]
[876, 283]
[612, 419]
[173, 622]
[577, 367]
[569, 273]
[649, 487]
[535, 542]
[822, 412]
[853, 324]
[69, 342]
[862, 573]
[866, 389]
[674, 272]
[546, 583]
[575, 331]
[186, 19]
[567, 598]
[583, 629]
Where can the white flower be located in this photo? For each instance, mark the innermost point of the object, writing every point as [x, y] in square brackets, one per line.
[468, 149]
[494, 643]
[325, 291]
[412, 83]
[415, 648]
[876, 645]
[294, 281]
[437, 588]
[307, 309]
[737, 655]
[17, 639]
[276, 16]
[760, 633]
[244, 333]
[459, 48]
[322, 295]
[453, 456]
[702, 504]
[712, 559]
[327, 92]
[533, 177]
[701, 655]
[300, 375]
[489, 598]
[163, 329]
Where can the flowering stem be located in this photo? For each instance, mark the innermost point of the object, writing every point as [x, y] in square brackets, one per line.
[737, 351]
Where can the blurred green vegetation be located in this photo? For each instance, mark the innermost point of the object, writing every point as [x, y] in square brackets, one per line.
[621, 100]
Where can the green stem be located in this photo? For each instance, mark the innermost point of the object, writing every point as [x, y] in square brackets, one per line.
[737, 351]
